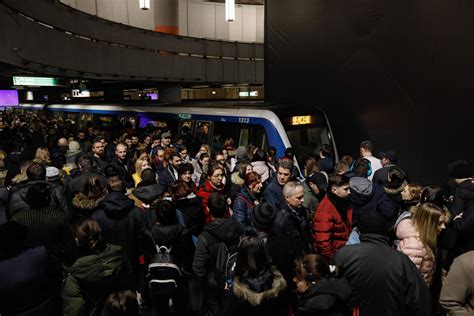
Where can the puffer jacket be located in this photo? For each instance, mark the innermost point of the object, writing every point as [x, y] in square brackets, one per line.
[262, 295]
[411, 245]
[242, 210]
[330, 231]
[92, 278]
[18, 198]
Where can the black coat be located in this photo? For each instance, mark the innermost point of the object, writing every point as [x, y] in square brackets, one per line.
[78, 183]
[166, 177]
[383, 280]
[281, 253]
[27, 286]
[122, 224]
[18, 198]
[124, 171]
[191, 207]
[328, 297]
[295, 228]
[225, 230]
[179, 239]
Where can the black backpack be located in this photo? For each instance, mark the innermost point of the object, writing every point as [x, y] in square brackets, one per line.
[164, 273]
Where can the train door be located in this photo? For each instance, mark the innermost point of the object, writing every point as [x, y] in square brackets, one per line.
[202, 132]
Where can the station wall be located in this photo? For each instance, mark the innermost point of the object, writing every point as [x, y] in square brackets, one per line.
[197, 18]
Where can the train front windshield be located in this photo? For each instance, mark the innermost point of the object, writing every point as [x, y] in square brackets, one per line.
[307, 132]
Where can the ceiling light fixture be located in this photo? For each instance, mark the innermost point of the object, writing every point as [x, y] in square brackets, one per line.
[145, 4]
[230, 10]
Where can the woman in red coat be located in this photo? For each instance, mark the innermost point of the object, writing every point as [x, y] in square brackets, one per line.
[333, 218]
[213, 183]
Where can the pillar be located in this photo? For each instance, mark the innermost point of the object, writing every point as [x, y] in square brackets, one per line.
[167, 16]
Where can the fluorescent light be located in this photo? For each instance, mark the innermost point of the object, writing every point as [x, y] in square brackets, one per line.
[145, 4]
[230, 10]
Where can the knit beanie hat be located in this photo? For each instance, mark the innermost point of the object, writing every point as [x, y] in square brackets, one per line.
[373, 223]
[460, 170]
[241, 152]
[262, 217]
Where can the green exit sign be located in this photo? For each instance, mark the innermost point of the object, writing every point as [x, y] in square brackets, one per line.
[184, 116]
[36, 81]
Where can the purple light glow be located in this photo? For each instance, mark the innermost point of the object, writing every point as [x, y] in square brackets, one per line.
[9, 98]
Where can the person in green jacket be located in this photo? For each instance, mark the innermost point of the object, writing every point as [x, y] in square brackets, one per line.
[100, 270]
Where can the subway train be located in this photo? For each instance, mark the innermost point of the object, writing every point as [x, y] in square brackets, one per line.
[304, 128]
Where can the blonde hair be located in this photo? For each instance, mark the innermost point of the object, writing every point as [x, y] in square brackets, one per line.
[139, 166]
[42, 156]
[426, 221]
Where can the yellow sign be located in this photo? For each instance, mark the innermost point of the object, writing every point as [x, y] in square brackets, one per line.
[301, 120]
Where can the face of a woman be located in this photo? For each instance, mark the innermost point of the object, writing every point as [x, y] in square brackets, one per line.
[145, 165]
[216, 178]
[406, 195]
[143, 156]
[203, 150]
[441, 223]
[224, 152]
[256, 187]
[301, 285]
[205, 161]
[249, 168]
[186, 177]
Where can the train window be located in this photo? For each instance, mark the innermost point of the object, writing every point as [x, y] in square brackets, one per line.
[308, 140]
[241, 134]
[202, 131]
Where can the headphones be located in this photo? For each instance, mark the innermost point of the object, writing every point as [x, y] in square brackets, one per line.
[354, 164]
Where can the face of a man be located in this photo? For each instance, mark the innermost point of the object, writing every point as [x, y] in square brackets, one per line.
[284, 176]
[134, 140]
[147, 140]
[166, 141]
[176, 161]
[296, 199]
[81, 136]
[160, 155]
[220, 159]
[342, 192]
[121, 151]
[98, 149]
[128, 141]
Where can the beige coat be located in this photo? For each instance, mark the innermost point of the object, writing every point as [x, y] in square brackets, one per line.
[457, 294]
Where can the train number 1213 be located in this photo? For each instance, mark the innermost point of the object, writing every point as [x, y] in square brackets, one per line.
[245, 120]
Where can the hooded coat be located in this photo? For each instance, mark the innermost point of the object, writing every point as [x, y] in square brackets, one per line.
[122, 224]
[464, 226]
[328, 297]
[92, 278]
[225, 230]
[367, 196]
[143, 197]
[86, 205]
[262, 295]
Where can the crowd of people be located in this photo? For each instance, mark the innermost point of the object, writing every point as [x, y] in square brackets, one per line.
[118, 221]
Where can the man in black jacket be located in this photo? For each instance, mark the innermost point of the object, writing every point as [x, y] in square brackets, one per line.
[121, 222]
[169, 174]
[122, 164]
[291, 220]
[219, 230]
[384, 281]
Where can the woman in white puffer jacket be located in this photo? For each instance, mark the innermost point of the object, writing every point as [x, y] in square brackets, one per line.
[418, 237]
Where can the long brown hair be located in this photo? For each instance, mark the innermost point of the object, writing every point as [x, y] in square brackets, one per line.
[426, 221]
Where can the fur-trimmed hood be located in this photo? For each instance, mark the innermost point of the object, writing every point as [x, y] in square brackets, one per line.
[243, 292]
[236, 179]
[395, 191]
[85, 202]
